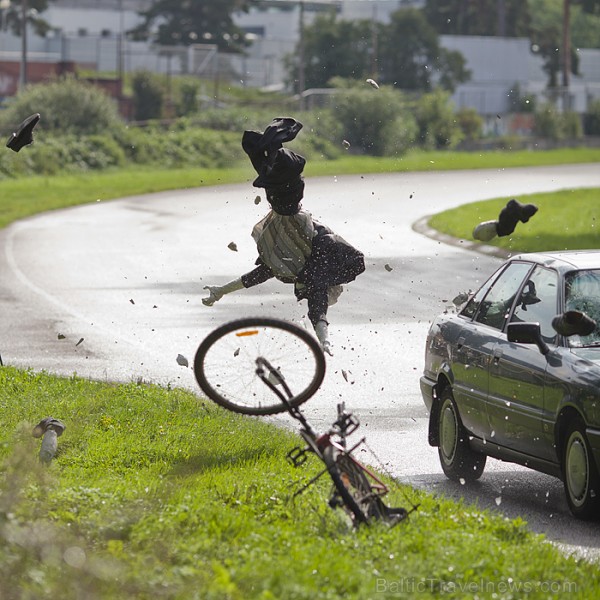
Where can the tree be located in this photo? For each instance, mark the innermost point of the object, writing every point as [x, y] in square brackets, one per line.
[187, 22]
[506, 18]
[333, 48]
[14, 15]
[411, 57]
[407, 53]
[548, 36]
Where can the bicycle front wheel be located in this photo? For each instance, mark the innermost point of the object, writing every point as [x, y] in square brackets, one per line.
[225, 364]
[352, 486]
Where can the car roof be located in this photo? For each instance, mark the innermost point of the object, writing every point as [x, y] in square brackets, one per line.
[564, 260]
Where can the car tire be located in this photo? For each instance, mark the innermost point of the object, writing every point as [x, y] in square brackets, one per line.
[459, 461]
[580, 473]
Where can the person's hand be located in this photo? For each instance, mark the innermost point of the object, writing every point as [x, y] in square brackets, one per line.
[215, 294]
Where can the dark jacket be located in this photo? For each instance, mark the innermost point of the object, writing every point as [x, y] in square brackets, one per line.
[333, 261]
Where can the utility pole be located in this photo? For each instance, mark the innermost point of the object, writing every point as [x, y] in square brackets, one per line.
[23, 70]
[120, 52]
[374, 42]
[566, 55]
[301, 57]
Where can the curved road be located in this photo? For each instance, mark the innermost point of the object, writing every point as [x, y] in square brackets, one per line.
[113, 291]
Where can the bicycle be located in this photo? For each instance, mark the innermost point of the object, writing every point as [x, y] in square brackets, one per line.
[250, 366]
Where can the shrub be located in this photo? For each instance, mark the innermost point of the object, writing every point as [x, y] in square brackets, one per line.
[374, 122]
[437, 123]
[470, 123]
[554, 125]
[188, 103]
[67, 106]
[591, 119]
[148, 96]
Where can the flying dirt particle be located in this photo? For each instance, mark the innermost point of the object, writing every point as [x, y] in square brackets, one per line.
[373, 83]
[257, 200]
[346, 144]
[182, 360]
[79, 342]
[131, 300]
[237, 352]
[61, 336]
[388, 267]
[232, 246]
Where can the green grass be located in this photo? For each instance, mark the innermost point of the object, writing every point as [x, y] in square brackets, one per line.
[157, 494]
[565, 220]
[23, 197]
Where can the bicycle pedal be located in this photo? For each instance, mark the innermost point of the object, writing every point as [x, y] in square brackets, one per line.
[297, 456]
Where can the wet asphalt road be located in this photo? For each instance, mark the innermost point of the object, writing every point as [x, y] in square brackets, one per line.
[112, 291]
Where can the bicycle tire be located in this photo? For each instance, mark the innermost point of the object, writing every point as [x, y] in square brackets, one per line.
[225, 364]
[351, 484]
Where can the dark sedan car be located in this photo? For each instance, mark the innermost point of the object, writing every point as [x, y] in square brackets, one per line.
[501, 381]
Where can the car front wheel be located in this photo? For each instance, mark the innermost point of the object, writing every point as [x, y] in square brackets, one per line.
[457, 458]
[580, 474]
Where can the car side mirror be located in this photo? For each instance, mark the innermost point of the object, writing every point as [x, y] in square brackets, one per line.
[527, 333]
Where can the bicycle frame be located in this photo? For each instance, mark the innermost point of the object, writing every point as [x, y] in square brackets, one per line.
[345, 425]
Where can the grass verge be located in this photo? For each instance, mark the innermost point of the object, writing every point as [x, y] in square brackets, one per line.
[566, 220]
[156, 494]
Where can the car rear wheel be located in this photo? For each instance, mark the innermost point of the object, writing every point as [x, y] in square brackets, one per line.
[457, 458]
[580, 474]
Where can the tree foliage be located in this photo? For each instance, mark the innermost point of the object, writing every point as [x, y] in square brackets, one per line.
[412, 58]
[407, 54]
[187, 22]
[507, 18]
[14, 17]
[333, 49]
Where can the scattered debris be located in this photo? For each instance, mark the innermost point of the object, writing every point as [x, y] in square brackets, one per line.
[61, 336]
[182, 360]
[49, 429]
[232, 246]
[388, 267]
[237, 352]
[79, 342]
[346, 144]
[257, 200]
[373, 83]
[131, 300]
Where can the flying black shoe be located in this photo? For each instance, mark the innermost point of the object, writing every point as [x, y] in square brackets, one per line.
[573, 322]
[24, 134]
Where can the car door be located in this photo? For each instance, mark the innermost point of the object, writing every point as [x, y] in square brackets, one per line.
[472, 351]
[517, 374]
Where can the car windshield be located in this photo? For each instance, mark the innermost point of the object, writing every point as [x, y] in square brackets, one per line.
[582, 292]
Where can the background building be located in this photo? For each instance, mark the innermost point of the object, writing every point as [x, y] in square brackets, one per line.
[92, 34]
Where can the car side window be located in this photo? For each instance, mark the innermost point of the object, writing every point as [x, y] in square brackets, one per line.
[495, 306]
[472, 306]
[538, 302]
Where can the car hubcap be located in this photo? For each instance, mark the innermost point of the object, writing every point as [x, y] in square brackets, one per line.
[448, 433]
[577, 469]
